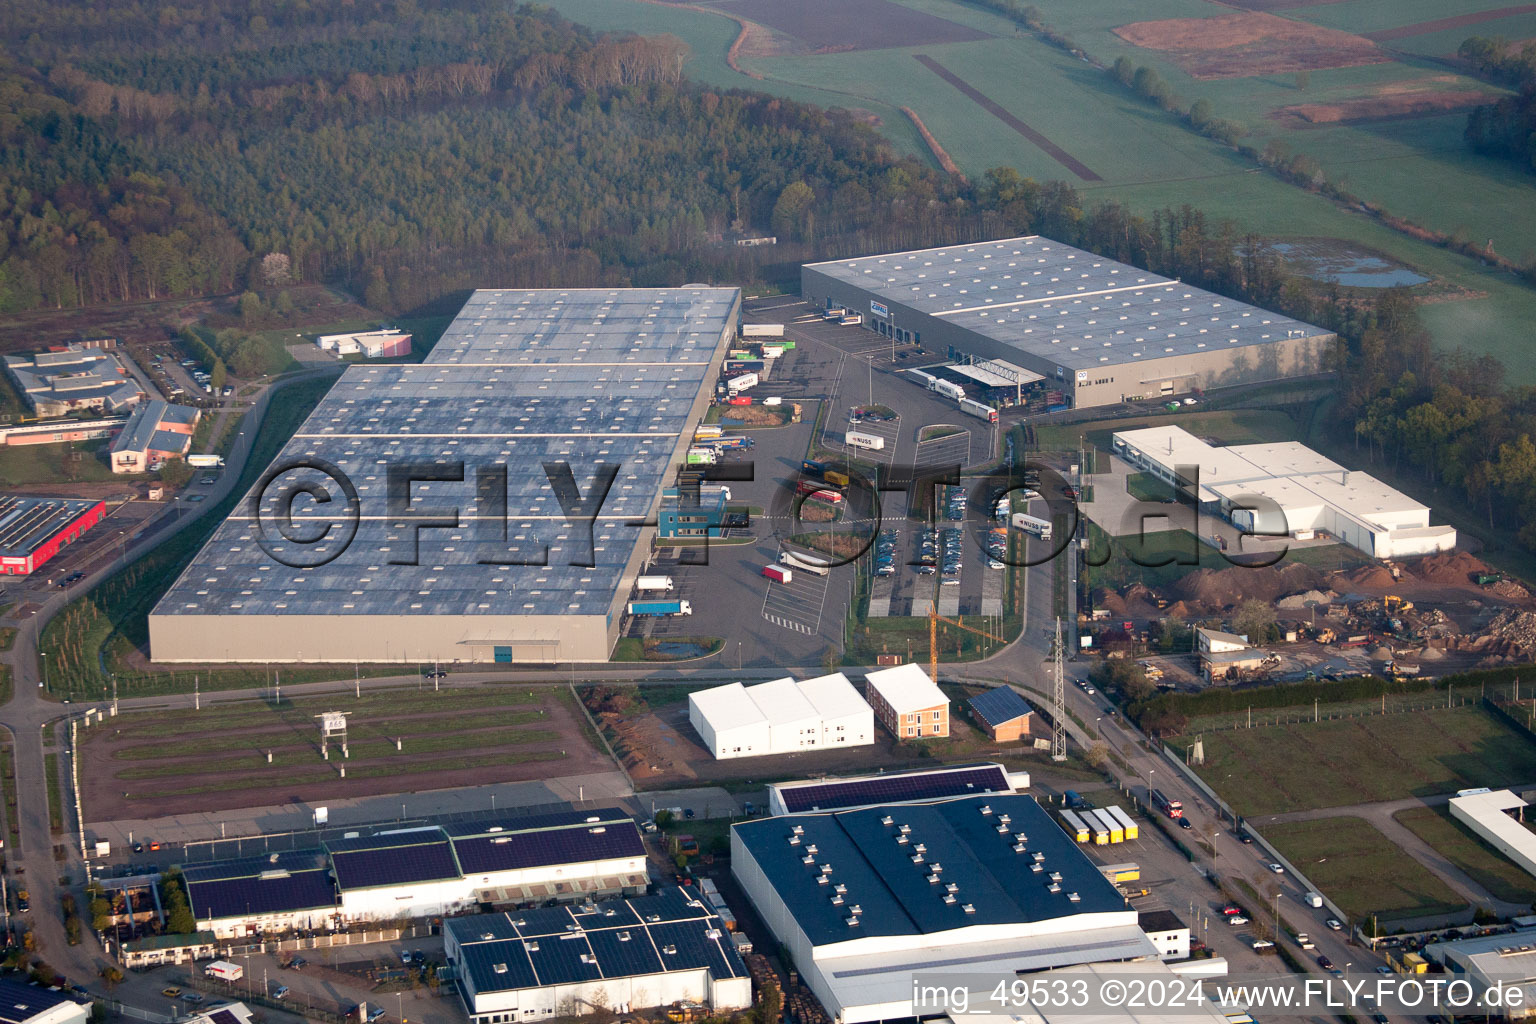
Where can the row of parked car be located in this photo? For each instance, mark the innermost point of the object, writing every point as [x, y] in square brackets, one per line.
[954, 504]
[885, 553]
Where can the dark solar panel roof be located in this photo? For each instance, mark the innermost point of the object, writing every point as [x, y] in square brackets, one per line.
[223, 1017]
[20, 1002]
[254, 894]
[423, 859]
[245, 867]
[617, 938]
[532, 822]
[386, 840]
[896, 895]
[999, 704]
[896, 788]
[555, 845]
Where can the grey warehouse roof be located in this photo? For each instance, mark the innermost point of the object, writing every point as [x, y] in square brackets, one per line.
[1055, 302]
[589, 377]
[896, 865]
[667, 931]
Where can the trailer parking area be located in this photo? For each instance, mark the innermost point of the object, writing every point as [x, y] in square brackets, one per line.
[798, 604]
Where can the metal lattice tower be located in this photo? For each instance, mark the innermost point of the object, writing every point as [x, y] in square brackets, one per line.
[1059, 707]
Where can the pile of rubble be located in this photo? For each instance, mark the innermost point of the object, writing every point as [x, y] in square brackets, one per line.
[1509, 635]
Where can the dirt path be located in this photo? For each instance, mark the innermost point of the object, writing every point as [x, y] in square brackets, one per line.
[986, 103]
[1422, 28]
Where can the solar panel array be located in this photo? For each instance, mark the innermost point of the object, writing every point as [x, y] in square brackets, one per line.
[255, 895]
[26, 524]
[507, 851]
[590, 378]
[19, 1003]
[999, 704]
[392, 862]
[667, 931]
[894, 788]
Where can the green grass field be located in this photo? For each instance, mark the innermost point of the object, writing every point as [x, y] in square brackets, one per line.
[1485, 865]
[1360, 870]
[63, 464]
[1415, 167]
[1277, 769]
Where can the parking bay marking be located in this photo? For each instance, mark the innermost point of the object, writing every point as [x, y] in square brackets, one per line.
[789, 604]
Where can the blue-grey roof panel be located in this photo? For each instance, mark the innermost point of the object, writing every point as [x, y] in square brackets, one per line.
[999, 705]
[938, 784]
[968, 837]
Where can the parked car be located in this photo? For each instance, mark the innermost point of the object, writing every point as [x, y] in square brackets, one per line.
[1237, 919]
[281, 992]
[1231, 909]
[170, 991]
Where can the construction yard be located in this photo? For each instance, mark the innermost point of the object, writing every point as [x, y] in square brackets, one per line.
[257, 752]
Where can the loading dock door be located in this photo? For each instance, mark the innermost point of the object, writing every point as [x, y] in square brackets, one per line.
[503, 655]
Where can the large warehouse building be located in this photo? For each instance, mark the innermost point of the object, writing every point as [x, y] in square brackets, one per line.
[1098, 331]
[864, 900]
[615, 957]
[1306, 493]
[485, 565]
[781, 717]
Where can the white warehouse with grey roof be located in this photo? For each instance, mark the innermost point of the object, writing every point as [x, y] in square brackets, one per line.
[1101, 332]
[477, 558]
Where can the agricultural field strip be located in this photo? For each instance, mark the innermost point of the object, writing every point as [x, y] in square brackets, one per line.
[247, 780]
[423, 737]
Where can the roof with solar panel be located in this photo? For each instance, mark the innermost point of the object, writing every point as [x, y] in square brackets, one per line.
[668, 931]
[921, 869]
[893, 787]
[1057, 302]
[520, 379]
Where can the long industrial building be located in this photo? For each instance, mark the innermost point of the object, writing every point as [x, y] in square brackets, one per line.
[420, 872]
[864, 900]
[499, 551]
[1302, 493]
[1098, 331]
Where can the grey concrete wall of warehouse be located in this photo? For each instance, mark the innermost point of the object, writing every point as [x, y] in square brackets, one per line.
[1115, 382]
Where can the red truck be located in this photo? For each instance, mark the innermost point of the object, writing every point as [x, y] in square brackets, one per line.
[777, 573]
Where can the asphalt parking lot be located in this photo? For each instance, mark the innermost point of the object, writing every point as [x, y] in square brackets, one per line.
[841, 369]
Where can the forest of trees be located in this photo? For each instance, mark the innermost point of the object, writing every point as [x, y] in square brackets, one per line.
[1506, 128]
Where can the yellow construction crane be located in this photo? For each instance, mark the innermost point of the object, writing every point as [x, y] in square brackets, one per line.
[934, 618]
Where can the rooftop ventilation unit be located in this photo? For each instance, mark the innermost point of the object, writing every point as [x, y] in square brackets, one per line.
[917, 858]
[1020, 837]
[623, 936]
[969, 908]
[1074, 897]
[487, 936]
[949, 899]
[855, 909]
[951, 887]
[712, 933]
[811, 848]
[1055, 876]
[906, 829]
[1002, 828]
[809, 858]
[669, 949]
[887, 820]
[533, 946]
[821, 879]
[1053, 887]
[798, 830]
[986, 809]
[902, 840]
[921, 847]
[841, 887]
[499, 968]
[794, 840]
[852, 920]
[1037, 868]
[1005, 818]
[588, 958]
[1039, 856]
[837, 901]
[1018, 847]
[933, 879]
[826, 869]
